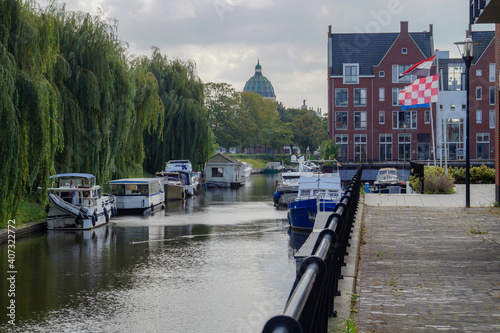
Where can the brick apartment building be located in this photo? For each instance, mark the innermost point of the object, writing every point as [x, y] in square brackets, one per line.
[365, 117]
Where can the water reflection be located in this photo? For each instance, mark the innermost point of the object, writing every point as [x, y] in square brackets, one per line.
[219, 262]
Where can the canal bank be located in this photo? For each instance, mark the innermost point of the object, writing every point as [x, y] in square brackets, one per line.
[26, 230]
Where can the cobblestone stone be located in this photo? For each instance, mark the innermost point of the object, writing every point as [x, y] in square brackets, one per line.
[429, 269]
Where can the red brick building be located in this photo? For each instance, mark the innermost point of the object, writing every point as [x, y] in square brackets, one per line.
[365, 117]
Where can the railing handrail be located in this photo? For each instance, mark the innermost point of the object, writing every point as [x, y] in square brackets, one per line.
[311, 301]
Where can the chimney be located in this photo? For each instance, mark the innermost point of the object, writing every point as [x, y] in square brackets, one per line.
[404, 27]
[431, 29]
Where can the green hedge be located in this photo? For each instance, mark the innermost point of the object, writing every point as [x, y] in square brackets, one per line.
[478, 175]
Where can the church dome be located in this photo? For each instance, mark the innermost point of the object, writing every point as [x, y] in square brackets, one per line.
[260, 84]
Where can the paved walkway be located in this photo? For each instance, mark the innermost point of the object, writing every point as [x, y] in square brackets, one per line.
[428, 265]
[480, 196]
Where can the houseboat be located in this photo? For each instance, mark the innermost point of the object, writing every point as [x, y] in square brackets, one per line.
[318, 192]
[223, 171]
[138, 194]
[76, 202]
[388, 181]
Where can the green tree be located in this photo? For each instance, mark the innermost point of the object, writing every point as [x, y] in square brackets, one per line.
[328, 150]
[308, 131]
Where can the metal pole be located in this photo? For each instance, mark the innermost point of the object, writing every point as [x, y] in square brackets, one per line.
[468, 60]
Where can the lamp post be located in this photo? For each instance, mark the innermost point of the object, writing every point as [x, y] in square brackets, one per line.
[466, 49]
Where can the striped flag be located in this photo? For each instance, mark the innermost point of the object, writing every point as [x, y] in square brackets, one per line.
[422, 68]
[421, 91]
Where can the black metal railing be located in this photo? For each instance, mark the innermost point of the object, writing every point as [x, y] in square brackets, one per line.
[311, 300]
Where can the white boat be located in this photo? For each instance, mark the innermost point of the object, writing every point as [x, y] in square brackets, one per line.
[174, 184]
[287, 187]
[318, 192]
[76, 202]
[388, 181]
[246, 169]
[143, 194]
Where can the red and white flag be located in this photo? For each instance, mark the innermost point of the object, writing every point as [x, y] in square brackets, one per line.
[421, 91]
[422, 68]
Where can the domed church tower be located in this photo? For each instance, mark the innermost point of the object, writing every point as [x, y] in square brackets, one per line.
[260, 84]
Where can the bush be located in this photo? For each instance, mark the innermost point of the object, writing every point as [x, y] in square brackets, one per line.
[416, 183]
[478, 175]
[436, 181]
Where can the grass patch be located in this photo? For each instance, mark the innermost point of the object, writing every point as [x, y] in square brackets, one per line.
[30, 210]
[256, 163]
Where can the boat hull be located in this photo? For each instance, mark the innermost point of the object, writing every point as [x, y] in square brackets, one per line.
[302, 214]
[175, 192]
[63, 215]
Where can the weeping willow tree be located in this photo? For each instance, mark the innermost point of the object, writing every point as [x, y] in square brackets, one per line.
[96, 89]
[186, 133]
[30, 134]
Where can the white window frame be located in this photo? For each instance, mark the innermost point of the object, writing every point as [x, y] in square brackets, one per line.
[492, 119]
[492, 72]
[479, 93]
[427, 116]
[398, 69]
[344, 76]
[491, 96]
[479, 116]
[361, 99]
[347, 120]
[347, 97]
[363, 122]
[479, 72]
[398, 90]
[381, 73]
[381, 94]
[381, 117]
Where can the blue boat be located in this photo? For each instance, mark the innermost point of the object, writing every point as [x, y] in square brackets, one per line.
[318, 192]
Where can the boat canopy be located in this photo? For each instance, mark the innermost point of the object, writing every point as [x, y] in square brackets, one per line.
[320, 181]
[67, 175]
[134, 181]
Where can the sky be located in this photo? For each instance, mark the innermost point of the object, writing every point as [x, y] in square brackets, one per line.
[225, 38]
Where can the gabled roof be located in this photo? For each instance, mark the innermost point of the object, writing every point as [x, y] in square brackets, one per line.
[485, 37]
[222, 158]
[369, 49]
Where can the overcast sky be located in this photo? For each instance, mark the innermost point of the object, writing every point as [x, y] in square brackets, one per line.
[226, 37]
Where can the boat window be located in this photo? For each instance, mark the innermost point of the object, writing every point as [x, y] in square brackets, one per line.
[134, 189]
[118, 189]
[154, 187]
[217, 172]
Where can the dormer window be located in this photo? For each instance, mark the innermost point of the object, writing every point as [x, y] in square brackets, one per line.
[351, 73]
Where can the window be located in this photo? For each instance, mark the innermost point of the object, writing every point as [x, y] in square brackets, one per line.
[483, 145]
[360, 147]
[404, 50]
[381, 74]
[492, 72]
[342, 141]
[395, 96]
[398, 69]
[492, 95]
[360, 120]
[492, 118]
[479, 72]
[479, 93]
[341, 97]
[385, 147]
[360, 97]
[463, 107]
[341, 120]
[381, 94]
[351, 73]
[404, 146]
[404, 119]
[381, 117]
[479, 116]
[452, 107]
[423, 146]
[427, 116]
[217, 172]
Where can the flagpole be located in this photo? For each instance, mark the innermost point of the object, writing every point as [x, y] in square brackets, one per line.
[433, 139]
[445, 145]
[440, 146]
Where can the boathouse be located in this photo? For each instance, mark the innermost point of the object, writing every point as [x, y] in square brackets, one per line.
[223, 171]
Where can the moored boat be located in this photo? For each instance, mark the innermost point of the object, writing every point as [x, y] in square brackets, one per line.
[76, 202]
[139, 194]
[388, 178]
[318, 192]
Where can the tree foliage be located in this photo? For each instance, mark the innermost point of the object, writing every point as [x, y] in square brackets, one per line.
[71, 101]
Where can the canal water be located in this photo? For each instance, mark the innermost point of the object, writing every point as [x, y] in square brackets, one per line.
[219, 262]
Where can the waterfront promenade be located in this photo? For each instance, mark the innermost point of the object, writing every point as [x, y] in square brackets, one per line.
[426, 264]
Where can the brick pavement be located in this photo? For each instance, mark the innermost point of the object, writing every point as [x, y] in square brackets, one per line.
[429, 269]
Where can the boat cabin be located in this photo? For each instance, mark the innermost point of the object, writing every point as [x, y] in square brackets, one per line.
[138, 193]
[223, 171]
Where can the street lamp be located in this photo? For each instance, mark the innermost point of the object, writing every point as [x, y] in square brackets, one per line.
[466, 49]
